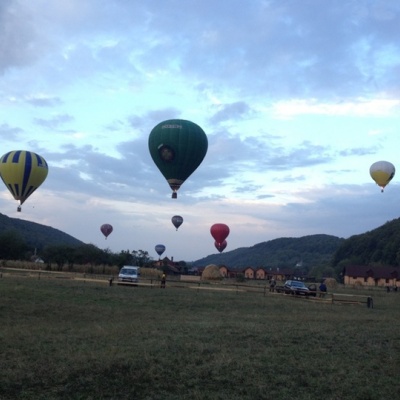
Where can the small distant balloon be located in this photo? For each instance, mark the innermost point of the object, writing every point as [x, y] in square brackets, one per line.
[22, 172]
[221, 246]
[382, 173]
[177, 221]
[106, 229]
[160, 248]
[219, 232]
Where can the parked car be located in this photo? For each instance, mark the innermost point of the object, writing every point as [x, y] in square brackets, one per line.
[129, 273]
[296, 288]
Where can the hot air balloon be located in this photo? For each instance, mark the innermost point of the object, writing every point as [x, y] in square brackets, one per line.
[221, 246]
[382, 173]
[160, 248]
[177, 221]
[219, 232]
[177, 147]
[22, 172]
[106, 229]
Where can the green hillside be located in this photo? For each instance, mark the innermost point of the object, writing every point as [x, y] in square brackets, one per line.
[36, 235]
[381, 246]
[307, 251]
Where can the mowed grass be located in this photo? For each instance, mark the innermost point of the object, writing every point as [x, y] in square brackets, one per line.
[64, 339]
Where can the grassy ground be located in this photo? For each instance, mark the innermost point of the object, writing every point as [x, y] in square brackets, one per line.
[73, 340]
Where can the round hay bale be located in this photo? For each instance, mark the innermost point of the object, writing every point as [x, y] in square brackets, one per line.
[331, 283]
[211, 272]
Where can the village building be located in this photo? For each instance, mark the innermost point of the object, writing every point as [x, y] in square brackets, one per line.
[371, 276]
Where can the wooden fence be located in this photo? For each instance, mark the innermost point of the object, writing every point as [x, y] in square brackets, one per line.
[184, 282]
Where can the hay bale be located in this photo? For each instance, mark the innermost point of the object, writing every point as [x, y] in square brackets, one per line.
[331, 283]
[211, 273]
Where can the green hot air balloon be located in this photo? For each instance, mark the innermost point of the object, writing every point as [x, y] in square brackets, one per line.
[177, 147]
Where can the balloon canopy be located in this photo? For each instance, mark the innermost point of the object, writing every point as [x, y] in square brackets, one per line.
[106, 229]
[219, 232]
[382, 173]
[221, 246]
[22, 172]
[160, 248]
[177, 147]
[177, 221]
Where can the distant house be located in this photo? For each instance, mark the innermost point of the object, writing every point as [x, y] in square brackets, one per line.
[371, 276]
[168, 266]
[224, 270]
[259, 273]
[249, 272]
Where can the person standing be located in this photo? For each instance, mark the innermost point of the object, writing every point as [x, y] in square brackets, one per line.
[322, 289]
[163, 279]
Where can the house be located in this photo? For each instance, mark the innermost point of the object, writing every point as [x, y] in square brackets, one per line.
[168, 266]
[249, 272]
[259, 273]
[371, 276]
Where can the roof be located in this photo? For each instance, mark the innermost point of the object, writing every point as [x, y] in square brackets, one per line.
[366, 271]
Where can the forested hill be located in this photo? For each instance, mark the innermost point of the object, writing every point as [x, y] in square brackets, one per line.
[283, 252]
[35, 235]
[381, 246]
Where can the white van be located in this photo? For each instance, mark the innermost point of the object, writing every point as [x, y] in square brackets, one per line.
[129, 273]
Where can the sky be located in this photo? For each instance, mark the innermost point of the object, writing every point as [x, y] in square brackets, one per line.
[297, 98]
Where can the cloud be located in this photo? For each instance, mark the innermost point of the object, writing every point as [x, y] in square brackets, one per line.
[43, 100]
[359, 107]
[8, 133]
[232, 111]
[54, 122]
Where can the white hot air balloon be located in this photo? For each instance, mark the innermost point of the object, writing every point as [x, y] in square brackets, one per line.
[382, 173]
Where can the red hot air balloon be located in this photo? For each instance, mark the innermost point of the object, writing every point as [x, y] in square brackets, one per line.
[219, 232]
[220, 246]
[106, 229]
[177, 220]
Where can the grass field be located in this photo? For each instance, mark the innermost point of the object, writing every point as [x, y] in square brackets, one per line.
[64, 339]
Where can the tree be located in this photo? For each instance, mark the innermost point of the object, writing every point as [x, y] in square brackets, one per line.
[12, 246]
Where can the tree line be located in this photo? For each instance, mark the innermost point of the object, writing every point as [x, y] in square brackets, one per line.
[14, 247]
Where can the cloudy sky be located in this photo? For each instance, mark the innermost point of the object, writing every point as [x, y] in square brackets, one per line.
[297, 98]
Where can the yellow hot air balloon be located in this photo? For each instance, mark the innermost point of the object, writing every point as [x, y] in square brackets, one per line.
[22, 172]
[382, 173]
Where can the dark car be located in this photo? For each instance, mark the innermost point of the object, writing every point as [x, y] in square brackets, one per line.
[297, 288]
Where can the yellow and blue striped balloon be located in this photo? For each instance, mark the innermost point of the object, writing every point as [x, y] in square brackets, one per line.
[22, 172]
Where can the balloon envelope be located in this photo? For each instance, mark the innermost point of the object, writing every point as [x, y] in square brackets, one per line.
[106, 229]
[22, 172]
[219, 232]
[221, 246]
[177, 221]
[177, 147]
[382, 173]
[160, 248]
